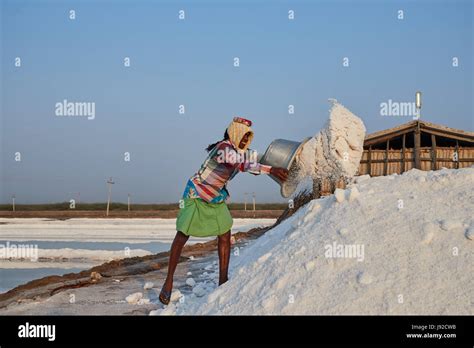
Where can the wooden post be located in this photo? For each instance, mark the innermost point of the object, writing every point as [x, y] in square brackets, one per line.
[417, 142]
[110, 182]
[457, 154]
[403, 153]
[253, 199]
[385, 164]
[369, 161]
[433, 152]
[108, 199]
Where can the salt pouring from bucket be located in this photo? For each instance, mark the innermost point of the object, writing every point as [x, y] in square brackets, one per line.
[281, 153]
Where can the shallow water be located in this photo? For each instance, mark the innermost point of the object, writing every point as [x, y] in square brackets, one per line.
[96, 237]
[154, 247]
[10, 278]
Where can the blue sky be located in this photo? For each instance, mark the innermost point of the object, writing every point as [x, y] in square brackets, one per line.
[190, 62]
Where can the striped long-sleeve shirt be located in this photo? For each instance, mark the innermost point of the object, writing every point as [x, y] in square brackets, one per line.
[221, 165]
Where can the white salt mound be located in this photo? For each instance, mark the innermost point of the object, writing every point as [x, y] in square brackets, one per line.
[406, 252]
[148, 286]
[333, 153]
[134, 298]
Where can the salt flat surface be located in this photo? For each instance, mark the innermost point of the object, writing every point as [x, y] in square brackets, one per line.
[82, 243]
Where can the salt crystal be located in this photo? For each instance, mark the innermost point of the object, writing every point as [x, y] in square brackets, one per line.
[448, 225]
[339, 194]
[353, 194]
[264, 258]
[364, 278]
[134, 298]
[148, 286]
[470, 233]
[428, 230]
[310, 265]
[175, 296]
[362, 178]
[199, 290]
[143, 301]
[343, 231]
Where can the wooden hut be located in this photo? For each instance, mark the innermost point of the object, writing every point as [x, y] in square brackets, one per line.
[417, 144]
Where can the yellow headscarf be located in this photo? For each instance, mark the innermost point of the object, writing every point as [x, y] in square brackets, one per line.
[237, 129]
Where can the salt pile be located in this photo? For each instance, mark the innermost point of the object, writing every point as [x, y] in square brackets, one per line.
[364, 253]
[333, 153]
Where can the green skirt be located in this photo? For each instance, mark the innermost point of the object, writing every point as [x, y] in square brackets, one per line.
[201, 219]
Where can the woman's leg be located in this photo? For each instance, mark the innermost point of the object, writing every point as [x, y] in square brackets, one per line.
[175, 253]
[223, 248]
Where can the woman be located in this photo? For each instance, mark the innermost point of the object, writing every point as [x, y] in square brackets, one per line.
[204, 212]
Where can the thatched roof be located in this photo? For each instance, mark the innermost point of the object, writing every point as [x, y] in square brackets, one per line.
[424, 126]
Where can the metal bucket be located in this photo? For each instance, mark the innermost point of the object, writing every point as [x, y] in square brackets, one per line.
[281, 153]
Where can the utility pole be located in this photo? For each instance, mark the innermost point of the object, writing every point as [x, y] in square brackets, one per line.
[110, 182]
[245, 201]
[13, 202]
[253, 199]
[129, 202]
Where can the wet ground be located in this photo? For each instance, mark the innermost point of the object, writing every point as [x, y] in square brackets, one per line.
[76, 293]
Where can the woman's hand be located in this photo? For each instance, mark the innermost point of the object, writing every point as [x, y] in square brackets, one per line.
[280, 173]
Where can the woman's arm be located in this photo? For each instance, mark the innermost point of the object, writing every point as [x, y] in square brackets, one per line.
[258, 168]
[255, 168]
[247, 162]
[280, 173]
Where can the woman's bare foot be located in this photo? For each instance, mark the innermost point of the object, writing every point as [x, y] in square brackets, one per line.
[175, 252]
